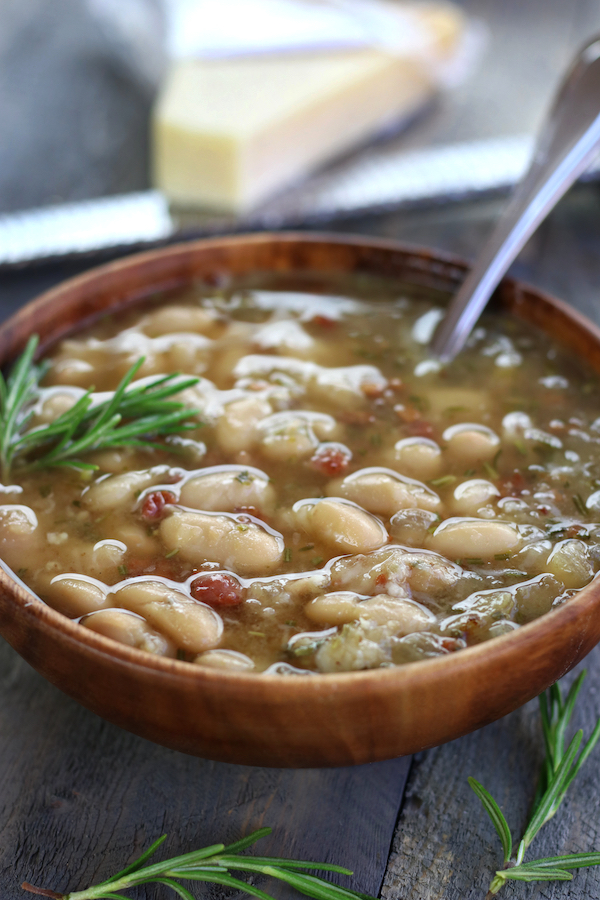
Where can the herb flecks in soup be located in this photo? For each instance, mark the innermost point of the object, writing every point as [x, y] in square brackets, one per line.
[342, 502]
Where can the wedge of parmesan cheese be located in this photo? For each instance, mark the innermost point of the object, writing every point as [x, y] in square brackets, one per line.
[229, 133]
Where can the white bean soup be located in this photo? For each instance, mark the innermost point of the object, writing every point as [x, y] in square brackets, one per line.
[342, 501]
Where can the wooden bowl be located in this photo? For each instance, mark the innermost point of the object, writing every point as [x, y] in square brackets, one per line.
[270, 720]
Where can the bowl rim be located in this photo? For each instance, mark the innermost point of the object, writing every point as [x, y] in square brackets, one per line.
[585, 601]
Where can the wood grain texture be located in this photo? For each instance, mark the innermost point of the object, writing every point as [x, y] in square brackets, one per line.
[79, 798]
[445, 845]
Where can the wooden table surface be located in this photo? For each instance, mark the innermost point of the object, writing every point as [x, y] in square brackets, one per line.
[79, 796]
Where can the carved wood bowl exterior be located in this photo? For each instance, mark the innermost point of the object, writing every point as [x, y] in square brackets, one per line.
[273, 720]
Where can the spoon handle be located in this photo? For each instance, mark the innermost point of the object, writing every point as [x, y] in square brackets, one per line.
[566, 145]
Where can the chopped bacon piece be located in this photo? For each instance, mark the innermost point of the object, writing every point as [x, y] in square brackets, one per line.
[251, 510]
[372, 390]
[451, 644]
[577, 531]
[512, 485]
[356, 417]
[155, 502]
[331, 459]
[406, 412]
[420, 428]
[324, 322]
[217, 589]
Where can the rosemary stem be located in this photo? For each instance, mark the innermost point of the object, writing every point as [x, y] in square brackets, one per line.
[132, 415]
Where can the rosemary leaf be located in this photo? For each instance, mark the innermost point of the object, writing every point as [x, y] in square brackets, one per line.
[559, 769]
[548, 804]
[569, 861]
[565, 713]
[178, 888]
[247, 841]
[230, 881]
[520, 873]
[252, 863]
[312, 886]
[591, 743]
[139, 862]
[211, 865]
[496, 816]
[128, 416]
[109, 896]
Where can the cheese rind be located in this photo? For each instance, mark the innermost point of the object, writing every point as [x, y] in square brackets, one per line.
[228, 133]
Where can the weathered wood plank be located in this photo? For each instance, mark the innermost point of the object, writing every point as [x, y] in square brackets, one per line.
[445, 845]
[80, 797]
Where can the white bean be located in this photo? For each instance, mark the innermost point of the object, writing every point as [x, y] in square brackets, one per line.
[343, 387]
[229, 660]
[470, 444]
[227, 489]
[335, 608]
[57, 403]
[76, 595]
[466, 538]
[405, 615]
[383, 491]
[181, 352]
[113, 461]
[570, 562]
[286, 336]
[191, 451]
[101, 560]
[535, 597]
[425, 572]
[349, 651]
[411, 526]
[417, 457]
[470, 496]
[120, 491]
[533, 558]
[237, 428]
[246, 548]
[174, 319]
[135, 538]
[71, 371]
[431, 574]
[514, 424]
[295, 434]
[479, 611]
[20, 537]
[188, 624]
[343, 526]
[130, 629]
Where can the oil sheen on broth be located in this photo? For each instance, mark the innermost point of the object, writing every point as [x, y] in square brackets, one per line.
[343, 503]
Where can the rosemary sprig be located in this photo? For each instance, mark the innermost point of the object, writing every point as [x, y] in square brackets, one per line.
[123, 419]
[558, 772]
[212, 864]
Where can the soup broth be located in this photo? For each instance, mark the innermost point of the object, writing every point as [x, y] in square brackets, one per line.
[340, 502]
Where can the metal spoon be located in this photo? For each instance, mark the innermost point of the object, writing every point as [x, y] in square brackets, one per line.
[566, 145]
